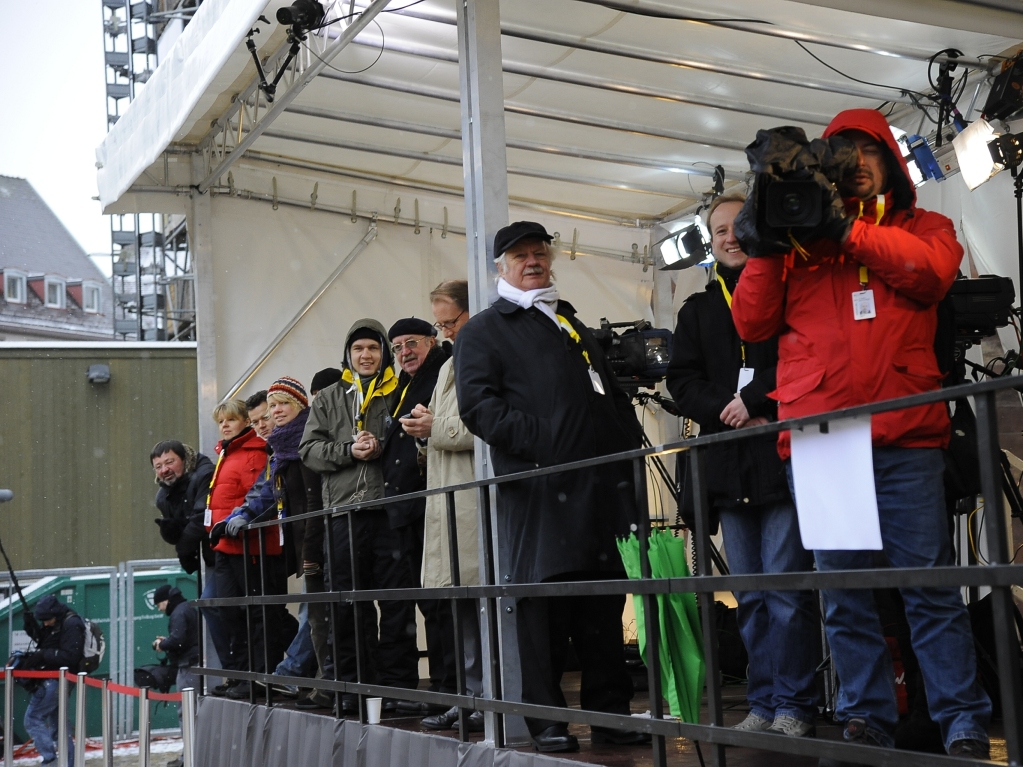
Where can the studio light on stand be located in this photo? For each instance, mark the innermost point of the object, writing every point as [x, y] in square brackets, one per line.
[687, 244]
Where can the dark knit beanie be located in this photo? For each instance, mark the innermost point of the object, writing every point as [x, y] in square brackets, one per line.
[411, 326]
[162, 594]
[292, 387]
[363, 333]
[48, 607]
[323, 379]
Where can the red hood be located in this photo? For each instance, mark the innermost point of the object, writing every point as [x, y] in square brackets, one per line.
[873, 122]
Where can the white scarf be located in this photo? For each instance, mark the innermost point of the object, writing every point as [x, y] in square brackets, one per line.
[544, 299]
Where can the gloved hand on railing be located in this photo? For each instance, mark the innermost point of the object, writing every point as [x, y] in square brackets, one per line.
[235, 523]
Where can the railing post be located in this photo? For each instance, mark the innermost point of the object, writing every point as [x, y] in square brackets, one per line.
[188, 703]
[705, 568]
[456, 580]
[201, 626]
[328, 527]
[651, 609]
[8, 716]
[495, 730]
[262, 612]
[1002, 608]
[144, 727]
[107, 713]
[248, 613]
[360, 650]
[80, 735]
[62, 733]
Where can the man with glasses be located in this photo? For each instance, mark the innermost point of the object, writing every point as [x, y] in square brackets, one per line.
[414, 346]
[259, 414]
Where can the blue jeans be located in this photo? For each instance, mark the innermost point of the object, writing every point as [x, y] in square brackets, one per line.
[301, 657]
[779, 628]
[211, 615]
[41, 722]
[914, 533]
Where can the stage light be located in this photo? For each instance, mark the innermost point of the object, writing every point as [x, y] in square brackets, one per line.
[976, 161]
[687, 245]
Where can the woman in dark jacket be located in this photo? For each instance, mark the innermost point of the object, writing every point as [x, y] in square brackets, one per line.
[722, 383]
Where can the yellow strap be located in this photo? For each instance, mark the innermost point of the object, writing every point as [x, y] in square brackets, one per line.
[213, 479]
[574, 336]
[878, 215]
[403, 393]
[728, 300]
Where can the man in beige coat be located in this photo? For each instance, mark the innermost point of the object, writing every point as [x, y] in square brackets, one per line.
[449, 461]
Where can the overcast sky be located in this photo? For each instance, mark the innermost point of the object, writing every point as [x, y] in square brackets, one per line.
[54, 108]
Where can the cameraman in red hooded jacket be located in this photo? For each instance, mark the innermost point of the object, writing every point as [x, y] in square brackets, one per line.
[831, 355]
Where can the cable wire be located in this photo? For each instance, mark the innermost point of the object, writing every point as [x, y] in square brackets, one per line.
[380, 53]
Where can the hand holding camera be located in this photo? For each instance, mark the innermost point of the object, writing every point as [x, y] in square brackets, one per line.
[794, 195]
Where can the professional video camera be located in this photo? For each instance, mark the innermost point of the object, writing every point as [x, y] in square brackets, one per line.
[793, 194]
[639, 355]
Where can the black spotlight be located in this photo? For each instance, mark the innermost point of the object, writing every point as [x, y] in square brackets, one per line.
[307, 14]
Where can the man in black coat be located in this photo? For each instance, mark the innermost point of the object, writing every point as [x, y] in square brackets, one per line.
[59, 634]
[414, 346]
[534, 384]
[183, 477]
[182, 641]
[723, 383]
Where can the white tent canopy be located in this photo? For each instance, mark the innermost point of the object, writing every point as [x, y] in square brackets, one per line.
[616, 114]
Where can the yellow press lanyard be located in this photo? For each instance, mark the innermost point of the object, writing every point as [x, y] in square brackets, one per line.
[402, 400]
[728, 300]
[879, 214]
[563, 322]
[213, 479]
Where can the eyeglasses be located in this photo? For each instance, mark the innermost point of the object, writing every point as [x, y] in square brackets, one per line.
[449, 323]
[411, 344]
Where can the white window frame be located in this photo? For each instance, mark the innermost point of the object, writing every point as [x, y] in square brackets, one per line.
[88, 287]
[13, 275]
[61, 286]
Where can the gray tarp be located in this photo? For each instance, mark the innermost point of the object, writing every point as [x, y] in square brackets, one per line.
[235, 734]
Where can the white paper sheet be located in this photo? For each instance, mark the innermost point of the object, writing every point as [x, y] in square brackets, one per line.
[833, 474]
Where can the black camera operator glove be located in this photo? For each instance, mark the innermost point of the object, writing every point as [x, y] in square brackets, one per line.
[835, 222]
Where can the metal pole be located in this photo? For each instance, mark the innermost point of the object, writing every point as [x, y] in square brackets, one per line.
[489, 627]
[456, 618]
[651, 607]
[201, 639]
[144, 727]
[1002, 608]
[188, 705]
[705, 568]
[328, 527]
[80, 734]
[248, 614]
[62, 733]
[360, 650]
[8, 716]
[262, 612]
[106, 709]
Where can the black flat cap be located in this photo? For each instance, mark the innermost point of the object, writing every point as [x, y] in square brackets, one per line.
[520, 230]
[411, 326]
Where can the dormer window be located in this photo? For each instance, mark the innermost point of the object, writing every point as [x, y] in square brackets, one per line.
[56, 293]
[14, 286]
[91, 297]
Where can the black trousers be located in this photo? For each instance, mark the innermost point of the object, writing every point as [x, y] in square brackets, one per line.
[545, 625]
[390, 655]
[229, 571]
[437, 619]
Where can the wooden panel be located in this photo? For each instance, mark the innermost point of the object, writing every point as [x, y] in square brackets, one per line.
[76, 454]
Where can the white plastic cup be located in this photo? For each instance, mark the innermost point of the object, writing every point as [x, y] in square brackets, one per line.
[373, 710]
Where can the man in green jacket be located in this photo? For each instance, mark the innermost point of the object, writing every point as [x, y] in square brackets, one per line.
[342, 442]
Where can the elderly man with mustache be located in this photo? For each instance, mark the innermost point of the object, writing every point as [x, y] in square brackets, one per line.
[534, 384]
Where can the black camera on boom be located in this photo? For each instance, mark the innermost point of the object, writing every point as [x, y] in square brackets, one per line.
[639, 355]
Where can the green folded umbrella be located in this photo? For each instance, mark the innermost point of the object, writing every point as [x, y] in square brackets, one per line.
[680, 646]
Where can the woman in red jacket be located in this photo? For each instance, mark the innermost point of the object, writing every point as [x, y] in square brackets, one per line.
[241, 461]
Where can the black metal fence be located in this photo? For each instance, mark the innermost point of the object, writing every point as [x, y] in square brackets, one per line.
[999, 573]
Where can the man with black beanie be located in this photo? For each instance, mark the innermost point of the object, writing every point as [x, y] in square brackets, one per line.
[182, 641]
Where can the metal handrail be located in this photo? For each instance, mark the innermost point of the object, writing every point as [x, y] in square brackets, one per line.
[999, 574]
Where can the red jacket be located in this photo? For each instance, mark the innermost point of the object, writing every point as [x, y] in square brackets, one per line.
[241, 461]
[828, 360]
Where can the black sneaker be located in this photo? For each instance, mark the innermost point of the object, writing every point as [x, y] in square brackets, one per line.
[977, 749]
[222, 689]
[856, 731]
